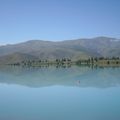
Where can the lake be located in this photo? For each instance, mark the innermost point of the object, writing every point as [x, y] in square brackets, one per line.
[63, 93]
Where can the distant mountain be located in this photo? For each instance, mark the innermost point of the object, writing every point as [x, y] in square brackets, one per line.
[73, 49]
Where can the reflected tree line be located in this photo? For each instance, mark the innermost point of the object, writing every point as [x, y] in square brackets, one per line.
[67, 62]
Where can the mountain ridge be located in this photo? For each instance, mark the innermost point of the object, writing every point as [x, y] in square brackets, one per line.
[73, 49]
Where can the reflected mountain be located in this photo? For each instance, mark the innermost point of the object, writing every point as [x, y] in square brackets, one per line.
[79, 76]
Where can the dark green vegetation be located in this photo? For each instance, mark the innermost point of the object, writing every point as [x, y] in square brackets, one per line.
[80, 51]
[65, 62]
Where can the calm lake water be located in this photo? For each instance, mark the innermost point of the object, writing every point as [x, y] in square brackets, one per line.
[75, 93]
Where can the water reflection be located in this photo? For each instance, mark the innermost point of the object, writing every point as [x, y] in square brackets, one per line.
[79, 76]
[82, 100]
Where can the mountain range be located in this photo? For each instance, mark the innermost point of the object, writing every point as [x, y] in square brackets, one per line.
[73, 49]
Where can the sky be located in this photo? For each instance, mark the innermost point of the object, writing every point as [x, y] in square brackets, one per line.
[55, 20]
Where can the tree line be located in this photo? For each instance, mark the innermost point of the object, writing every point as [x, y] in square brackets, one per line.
[92, 60]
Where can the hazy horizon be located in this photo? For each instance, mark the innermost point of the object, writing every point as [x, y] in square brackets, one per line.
[17, 42]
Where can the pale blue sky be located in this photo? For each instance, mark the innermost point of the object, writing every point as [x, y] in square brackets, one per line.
[22, 20]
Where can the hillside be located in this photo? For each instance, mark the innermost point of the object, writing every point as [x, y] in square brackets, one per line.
[15, 57]
[73, 49]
